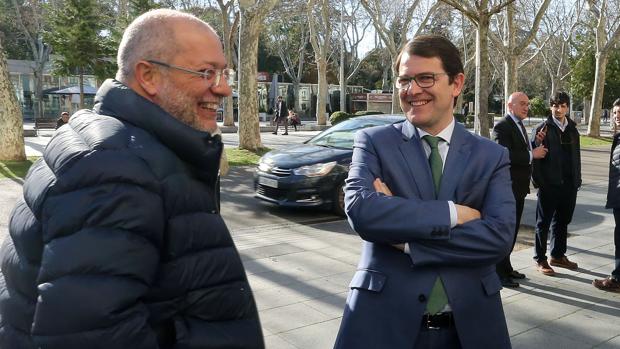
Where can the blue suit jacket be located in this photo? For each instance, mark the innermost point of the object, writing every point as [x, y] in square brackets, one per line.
[390, 289]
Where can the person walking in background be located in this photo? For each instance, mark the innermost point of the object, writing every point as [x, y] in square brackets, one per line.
[433, 204]
[557, 177]
[63, 119]
[612, 282]
[293, 119]
[281, 116]
[511, 133]
[118, 241]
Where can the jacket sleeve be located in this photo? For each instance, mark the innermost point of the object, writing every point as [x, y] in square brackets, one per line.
[387, 219]
[482, 241]
[101, 252]
[537, 176]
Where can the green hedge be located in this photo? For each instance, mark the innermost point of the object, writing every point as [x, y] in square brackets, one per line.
[339, 116]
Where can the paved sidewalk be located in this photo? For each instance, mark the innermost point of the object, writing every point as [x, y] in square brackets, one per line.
[300, 275]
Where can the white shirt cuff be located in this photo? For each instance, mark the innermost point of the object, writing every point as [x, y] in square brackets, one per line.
[453, 217]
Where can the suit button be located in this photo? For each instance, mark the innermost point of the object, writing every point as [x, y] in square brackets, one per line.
[422, 298]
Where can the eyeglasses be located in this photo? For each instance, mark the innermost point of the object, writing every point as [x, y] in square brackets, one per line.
[424, 80]
[213, 76]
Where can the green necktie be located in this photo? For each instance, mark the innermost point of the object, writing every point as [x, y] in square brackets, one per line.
[438, 299]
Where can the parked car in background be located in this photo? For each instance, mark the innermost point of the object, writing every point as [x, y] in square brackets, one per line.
[312, 174]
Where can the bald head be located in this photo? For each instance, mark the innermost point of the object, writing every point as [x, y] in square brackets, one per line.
[518, 105]
[153, 36]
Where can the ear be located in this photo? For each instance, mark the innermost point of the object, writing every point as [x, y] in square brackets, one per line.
[457, 84]
[148, 77]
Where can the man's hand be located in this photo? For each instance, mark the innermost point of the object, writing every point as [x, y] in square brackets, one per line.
[540, 136]
[539, 152]
[465, 214]
[381, 187]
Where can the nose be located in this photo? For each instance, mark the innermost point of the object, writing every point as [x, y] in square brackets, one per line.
[414, 88]
[222, 89]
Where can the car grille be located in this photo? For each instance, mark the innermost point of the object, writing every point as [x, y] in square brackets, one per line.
[273, 193]
[281, 172]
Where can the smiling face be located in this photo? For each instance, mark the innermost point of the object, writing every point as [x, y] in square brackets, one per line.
[188, 97]
[429, 108]
[615, 115]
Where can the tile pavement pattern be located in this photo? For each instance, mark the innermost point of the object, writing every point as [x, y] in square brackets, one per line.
[299, 274]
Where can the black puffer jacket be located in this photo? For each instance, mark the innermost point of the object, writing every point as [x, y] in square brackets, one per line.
[548, 170]
[118, 242]
[613, 190]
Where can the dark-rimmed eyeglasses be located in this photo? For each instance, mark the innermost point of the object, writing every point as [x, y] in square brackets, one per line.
[213, 76]
[424, 80]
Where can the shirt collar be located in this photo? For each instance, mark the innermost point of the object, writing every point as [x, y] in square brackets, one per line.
[445, 134]
[514, 118]
[563, 125]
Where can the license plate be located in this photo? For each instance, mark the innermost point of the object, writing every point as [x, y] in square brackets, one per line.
[268, 182]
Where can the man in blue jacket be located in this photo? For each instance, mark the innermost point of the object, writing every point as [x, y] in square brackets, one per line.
[612, 282]
[118, 242]
[434, 206]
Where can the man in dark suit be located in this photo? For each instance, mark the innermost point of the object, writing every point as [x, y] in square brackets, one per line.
[557, 177]
[432, 233]
[511, 133]
[281, 115]
[612, 282]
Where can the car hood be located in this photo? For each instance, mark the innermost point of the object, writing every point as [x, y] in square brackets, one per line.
[305, 154]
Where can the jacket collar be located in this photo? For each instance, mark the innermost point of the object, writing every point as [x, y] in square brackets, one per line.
[198, 148]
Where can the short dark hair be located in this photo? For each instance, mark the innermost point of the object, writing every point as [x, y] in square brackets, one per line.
[617, 103]
[429, 46]
[558, 98]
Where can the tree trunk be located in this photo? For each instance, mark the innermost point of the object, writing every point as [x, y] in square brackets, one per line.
[511, 82]
[296, 96]
[481, 124]
[322, 91]
[586, 110]
[249, 127]
[81, 89]
[229, 119]
[395, 97]
[11, 120]
[594, 124]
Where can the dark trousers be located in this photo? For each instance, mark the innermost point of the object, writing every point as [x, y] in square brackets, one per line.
[554, 208]
[444, 338]
[281, 120]
[504, 267]
[616, 273]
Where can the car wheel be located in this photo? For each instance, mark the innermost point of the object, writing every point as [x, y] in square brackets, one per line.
[339, 200]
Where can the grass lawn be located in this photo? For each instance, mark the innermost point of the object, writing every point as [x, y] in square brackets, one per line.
[595, 141]
[242, 157]
[16, 169]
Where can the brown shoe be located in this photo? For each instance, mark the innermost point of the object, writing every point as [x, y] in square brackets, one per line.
[607, 284]
[544, 268]
[563, 262]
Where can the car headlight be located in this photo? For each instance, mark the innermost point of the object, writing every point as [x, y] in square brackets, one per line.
[264, 167]
[316, 170]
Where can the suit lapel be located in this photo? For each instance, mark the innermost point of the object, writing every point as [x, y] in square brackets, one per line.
[456, 162]
[417, 162]
[516, 130]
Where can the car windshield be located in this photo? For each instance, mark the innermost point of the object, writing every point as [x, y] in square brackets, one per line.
[341, 135]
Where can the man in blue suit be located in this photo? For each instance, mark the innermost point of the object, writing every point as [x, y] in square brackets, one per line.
[434, 206]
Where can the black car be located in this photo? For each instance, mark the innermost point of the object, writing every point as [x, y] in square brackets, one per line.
[312, 174]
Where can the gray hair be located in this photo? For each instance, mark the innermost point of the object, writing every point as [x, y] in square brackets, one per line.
[150, 36]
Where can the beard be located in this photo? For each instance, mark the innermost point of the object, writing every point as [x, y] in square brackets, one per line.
[181, 106]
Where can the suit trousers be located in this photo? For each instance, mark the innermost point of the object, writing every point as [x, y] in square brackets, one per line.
[504, 267]
[616, 273]
[555, 207]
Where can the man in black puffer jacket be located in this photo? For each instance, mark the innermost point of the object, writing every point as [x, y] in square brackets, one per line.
[118, 242]
[558, 178]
